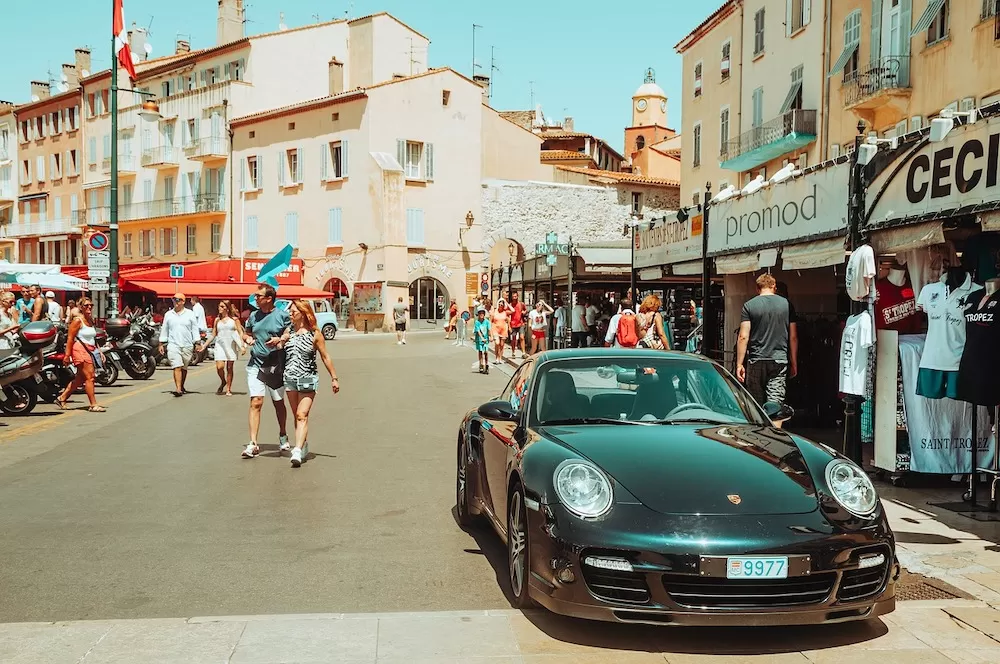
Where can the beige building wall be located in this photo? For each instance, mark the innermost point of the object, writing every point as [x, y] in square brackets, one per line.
[510, 152]
[8, 181]
[959, 70]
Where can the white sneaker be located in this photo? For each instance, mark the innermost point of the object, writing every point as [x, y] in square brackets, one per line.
[250, 451]
[404, 342]
[283, 444]
[399, 343]
[297, 455]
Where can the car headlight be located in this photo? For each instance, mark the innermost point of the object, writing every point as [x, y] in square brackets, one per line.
[851, 487]
[582, 488]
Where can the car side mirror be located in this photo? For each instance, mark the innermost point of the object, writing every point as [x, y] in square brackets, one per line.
[497, 410]
[778, 412]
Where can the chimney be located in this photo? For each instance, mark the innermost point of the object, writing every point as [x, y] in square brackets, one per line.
[83, 62]
[336, 76]
[183, 46]
[71, 76]
[39, 89]
[231, 22]
[568, 124]
[484, 83]
[138, 42]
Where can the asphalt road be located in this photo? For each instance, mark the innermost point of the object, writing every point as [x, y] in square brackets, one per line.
[148, 511]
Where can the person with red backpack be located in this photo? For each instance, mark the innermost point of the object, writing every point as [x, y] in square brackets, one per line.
[623, 330]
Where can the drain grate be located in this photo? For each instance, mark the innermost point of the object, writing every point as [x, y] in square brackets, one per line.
[919, 587]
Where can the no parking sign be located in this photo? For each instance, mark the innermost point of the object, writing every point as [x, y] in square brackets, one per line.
[484, 283]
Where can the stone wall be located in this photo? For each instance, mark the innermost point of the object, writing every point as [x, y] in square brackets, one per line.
[526, 211]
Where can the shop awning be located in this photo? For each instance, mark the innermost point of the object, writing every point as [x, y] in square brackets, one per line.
[990, 221]
[808, 255]
[605, 256]
[687, 269]
[738, 263]
[907, 238]
[213, 290]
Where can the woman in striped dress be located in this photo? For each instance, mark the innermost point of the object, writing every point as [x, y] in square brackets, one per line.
[301, 375]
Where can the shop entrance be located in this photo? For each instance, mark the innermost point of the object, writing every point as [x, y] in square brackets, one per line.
[428, 302]
[342, 303]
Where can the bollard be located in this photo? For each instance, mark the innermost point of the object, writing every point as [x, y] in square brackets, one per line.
[366, 326]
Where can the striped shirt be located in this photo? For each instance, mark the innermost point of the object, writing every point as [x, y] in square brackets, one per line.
[300, 356]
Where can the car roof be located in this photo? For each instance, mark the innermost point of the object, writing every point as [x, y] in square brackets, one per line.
[625, 353]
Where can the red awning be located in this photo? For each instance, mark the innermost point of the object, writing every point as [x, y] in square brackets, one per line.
[223, 290]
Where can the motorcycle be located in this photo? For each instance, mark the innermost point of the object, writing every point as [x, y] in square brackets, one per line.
[146, 332]
[56, 375]
[106, 374]
[19, 369]
[199, 355]
[127, 351]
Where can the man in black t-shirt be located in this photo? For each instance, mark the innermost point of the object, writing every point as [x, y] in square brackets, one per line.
[767, 348]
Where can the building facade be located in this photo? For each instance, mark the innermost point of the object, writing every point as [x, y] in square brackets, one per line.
[8, 180]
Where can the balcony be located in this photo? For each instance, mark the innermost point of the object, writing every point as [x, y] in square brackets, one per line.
[126, 165]
[879, 84]
[202, 205]
[69, 226]
[7, 195]
[784, 134]
[207, 150]
[162, 158]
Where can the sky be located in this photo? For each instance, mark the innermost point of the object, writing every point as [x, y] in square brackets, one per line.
[579, 59]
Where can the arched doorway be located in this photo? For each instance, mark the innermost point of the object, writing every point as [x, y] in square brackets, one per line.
[341, 303]
[428, 302]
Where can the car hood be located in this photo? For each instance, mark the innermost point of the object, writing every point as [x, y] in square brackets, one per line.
[683, 469]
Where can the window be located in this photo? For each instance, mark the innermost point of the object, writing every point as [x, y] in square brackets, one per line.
[414, 155]
[334, 165]
[640, 142]
[99, 103]
[146, 239]
[92, 151]
[335, 228]
[25, 132]
[43, 211]
[251, 233]
[292, 229]
[253, 173]
[445, 97]
[793, 100]
[168, 241]
[56, 122]
[798, 12]
[72, 164]
[57, 171]
[414, 227]
[26, 171]
[938, 29]
[848, 59]
[758, 107]
[235, 70]
[293, 163]
[758, 32]
[169, 187]
[191, 135]
[191, 244]
[724, 128]
[40, 125]
[697, 146]
[167, 88]
[636, 203]
[40, 168]
[72, 118]
[916, 123]
[216, 238]
[726, 63]
[697, 79]
[127, 244]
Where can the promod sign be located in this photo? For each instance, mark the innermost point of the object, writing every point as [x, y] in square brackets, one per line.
[959, 171]
[808, 206]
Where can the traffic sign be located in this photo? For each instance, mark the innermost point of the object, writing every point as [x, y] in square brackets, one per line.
[176, 271]
[99, 260]
[99, 287]
[99, 241]
[94, 273]
[94, 279]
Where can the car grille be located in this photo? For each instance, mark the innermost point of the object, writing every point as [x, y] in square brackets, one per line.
[617, 586]
[861, 583]
[698, 591]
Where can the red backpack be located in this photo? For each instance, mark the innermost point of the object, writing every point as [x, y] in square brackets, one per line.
[628, 331]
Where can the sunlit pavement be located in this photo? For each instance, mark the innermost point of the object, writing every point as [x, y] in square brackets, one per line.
[128, 523]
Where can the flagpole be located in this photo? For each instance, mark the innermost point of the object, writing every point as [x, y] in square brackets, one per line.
[113, 212]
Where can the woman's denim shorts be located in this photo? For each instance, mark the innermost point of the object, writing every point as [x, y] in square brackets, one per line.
[302, 384]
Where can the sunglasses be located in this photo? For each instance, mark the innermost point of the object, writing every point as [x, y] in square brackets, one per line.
[88, 306]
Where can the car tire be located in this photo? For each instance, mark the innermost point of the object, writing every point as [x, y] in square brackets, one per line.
[462, 499]
[518, 550]
[329, 332]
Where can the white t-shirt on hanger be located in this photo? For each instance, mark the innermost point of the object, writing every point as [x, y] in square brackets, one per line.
[859, 337]
[945, 324]
[860, 272]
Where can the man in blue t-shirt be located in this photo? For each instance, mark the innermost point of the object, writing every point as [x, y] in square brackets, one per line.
[267, 329]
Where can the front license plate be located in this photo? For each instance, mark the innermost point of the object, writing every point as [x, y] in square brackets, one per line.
[757, 568]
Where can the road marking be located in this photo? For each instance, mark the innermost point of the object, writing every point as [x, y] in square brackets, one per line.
[52, 422]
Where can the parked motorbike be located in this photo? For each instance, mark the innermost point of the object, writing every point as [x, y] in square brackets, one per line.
[199, 355]
[19, 369]
[128, 354]
[106, 374]
[56, 375]
[148, 333]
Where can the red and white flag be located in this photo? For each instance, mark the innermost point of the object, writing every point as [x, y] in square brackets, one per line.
[121, 41]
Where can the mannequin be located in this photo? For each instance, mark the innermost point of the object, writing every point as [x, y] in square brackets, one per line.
[897, 274]
[944, 302]
[992, 286]
[895, 306]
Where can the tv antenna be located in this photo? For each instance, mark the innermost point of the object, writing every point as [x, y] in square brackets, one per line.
[493, 68]
[531, 93]
[475, 26]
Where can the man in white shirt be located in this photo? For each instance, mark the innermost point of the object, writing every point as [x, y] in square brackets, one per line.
[578, 324]
[55, 309]
[591, 314]
[560, 317]
[611, 338]
[199, 313]
[180, 332]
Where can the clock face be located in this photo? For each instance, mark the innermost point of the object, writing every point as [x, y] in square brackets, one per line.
[640, 105]
[663, 105]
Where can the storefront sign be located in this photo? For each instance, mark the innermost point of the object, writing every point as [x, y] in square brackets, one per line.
[428, 262]
[960, 170]
[667, 243]
[368, 298]
[336, 265]
[471, 283]
[803, 207]
[290, 277]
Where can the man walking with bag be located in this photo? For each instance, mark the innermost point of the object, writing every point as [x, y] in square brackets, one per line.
[179, 332]
[267, 330]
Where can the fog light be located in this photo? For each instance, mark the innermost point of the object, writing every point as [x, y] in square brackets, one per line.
[616, 564]
[871, 560]
[566, 575]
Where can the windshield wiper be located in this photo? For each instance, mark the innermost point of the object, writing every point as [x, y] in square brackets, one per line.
[690, 420]
[588, 420]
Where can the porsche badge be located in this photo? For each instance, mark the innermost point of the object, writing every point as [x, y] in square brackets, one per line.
[734, 498]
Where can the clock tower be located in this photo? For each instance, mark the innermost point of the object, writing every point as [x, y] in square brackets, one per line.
[649, 128]
[649, 104]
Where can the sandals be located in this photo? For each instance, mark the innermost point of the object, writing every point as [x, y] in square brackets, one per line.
[97, 409]
[61, 404]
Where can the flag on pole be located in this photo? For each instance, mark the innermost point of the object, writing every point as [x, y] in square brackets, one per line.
[121, 41]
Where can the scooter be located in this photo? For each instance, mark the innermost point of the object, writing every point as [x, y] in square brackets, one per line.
[129, 355]
[19, 369]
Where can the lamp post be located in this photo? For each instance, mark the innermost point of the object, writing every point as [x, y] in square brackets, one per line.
[855, 209]
[149, 111]
[708, 332]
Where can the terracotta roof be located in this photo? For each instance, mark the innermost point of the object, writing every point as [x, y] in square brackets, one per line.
[633, 178]
[667, 152]
[145, 66]
[722, 12]
[62, 96]
[560, 155]
[562, 133]
[365, 18]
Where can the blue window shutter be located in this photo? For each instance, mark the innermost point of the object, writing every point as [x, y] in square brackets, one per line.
[420, 227]
[324, 160]
[335, 231]
[905, 20]
[260, 171]
[343, 158]
[197, 183]
[57, 208]
[251, 232]
[282, 158]
[429, 156]
[875, 43]
[409, 226]
[92, 150]
[243, 174]
[299, 164]
[292, 229]
[401, 153]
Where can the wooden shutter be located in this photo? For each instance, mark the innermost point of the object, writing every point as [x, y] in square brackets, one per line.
[788, 17]
[335, 227]
[401, 153]
[429, 157]
[343, 158]
[243, 174]
[252, 233]
[260, 171]
[282, 159]
[298, 164]
[806, 12]
[324, 160]
[875, 42]
[905, 18]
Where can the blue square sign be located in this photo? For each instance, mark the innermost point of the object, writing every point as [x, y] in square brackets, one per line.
[176, 271]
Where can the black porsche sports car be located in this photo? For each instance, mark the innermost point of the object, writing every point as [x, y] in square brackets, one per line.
[643, 486]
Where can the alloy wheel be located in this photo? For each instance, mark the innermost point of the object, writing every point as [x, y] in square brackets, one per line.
[517, 547]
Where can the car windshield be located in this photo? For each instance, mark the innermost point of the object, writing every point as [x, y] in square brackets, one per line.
[649, 391]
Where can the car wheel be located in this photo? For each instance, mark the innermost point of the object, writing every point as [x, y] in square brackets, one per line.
[462, 498]
[518, 549]
[329, 332]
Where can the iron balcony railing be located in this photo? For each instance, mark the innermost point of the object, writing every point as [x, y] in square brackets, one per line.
[792, 122]
[206, 147]
[47, 227]
[6, 191]
[889, 73]
[161, 155]
[990, 8]
[164, 207]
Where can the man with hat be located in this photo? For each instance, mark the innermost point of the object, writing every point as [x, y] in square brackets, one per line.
[179, 332]
[55, 309]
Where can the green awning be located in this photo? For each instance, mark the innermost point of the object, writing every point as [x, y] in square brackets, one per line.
[841, 62]
[925, 20]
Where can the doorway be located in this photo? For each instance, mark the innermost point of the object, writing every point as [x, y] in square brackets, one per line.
[428, 302]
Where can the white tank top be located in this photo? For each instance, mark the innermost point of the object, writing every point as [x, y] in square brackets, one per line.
[87, 335]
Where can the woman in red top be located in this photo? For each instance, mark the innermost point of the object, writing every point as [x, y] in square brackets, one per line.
[452, 320]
